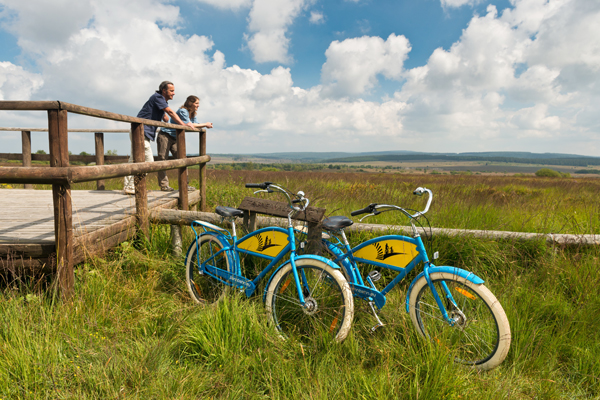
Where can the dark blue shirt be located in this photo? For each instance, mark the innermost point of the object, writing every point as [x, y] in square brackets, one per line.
[154, 109]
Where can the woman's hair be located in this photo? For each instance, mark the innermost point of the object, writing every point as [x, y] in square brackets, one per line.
[188, 105]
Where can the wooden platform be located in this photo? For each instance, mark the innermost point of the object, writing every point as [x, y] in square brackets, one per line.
[101, 219]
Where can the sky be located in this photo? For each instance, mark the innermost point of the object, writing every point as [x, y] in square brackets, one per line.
[315, 75]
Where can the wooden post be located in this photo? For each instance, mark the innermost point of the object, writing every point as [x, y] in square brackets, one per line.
[141, 195]
[26, 153]
[202, 173]
[183, 181]
[249, 222]
[61, 194]
[99, 136]
[313, 238]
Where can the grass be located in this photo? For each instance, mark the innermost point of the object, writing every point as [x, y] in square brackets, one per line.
[132, 332]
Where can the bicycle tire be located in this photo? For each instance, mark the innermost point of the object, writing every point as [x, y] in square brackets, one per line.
[331, 305]
[481, 336]
[203, 288]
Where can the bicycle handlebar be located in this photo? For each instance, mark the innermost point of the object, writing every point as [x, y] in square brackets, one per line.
[374, 208]
[270, 187]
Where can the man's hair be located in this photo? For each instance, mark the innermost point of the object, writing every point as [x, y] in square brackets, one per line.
[188, 105]
[163, 86]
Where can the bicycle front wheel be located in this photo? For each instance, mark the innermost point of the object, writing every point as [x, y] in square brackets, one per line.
[328, 309]
[479, 334]
[205, 288]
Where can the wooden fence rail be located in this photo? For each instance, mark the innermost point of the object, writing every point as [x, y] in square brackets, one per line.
[61, 175]
[186, 218]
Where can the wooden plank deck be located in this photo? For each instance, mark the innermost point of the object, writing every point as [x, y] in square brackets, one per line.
[27, 219]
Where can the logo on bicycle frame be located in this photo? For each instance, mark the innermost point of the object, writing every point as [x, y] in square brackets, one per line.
[264, 244]
[268, 243]
[382, 254]
[396, 252]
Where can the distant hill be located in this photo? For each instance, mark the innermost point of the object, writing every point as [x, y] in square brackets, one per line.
[403, 156]
[314, 156]
[576, 161]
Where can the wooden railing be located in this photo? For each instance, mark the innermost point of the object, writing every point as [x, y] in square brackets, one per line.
[99, 158]
[61, 175]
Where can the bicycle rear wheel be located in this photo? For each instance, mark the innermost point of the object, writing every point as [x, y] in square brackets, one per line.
[329, 306]
[203, 287]
[480, 335]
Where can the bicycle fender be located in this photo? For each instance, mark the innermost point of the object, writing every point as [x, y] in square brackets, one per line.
[304, 257]
[471, 277]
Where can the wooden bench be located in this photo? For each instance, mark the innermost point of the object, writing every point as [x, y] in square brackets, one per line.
[312, 215]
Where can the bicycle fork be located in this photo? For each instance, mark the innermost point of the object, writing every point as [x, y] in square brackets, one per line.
[448, 297]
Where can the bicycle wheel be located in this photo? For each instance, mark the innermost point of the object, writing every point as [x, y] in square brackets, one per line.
[480, 335]
[329, 306]
[203, 287]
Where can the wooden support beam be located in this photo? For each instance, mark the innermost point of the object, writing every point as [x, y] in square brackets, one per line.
[26, 152]
[99, 142]
[61, 193]
[141, 195]
[202, 172]
[182, 172]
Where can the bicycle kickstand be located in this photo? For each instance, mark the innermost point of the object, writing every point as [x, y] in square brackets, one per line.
[379, 323]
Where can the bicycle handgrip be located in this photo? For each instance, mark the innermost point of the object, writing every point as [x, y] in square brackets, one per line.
[366, 210]
[263, 185]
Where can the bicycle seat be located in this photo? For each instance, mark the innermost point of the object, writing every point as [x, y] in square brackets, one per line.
[336, 223]
[229, 212]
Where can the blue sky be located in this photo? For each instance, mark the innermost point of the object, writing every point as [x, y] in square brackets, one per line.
[315, 75]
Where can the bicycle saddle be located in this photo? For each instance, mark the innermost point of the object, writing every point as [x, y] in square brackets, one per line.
[229, 212]
[336, 223]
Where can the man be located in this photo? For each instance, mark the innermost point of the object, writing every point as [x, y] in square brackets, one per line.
[154, 109]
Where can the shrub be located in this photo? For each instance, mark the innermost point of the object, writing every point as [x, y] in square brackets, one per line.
[547, 172]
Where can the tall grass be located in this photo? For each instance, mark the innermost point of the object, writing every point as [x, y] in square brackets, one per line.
[132, 332]
[519, 204]
[509, 203]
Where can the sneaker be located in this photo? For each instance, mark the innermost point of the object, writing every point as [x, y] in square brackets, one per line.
[167, 189]
[191, 188]
[129, 191]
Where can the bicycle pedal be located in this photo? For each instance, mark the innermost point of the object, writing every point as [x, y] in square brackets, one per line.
[376, 327]
[375, 275]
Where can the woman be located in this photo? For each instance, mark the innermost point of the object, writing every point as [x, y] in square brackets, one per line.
[166, 140]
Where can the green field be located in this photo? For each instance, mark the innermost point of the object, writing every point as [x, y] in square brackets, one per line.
[132, 332]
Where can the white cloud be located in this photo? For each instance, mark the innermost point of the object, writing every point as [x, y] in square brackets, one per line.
[39, 23]
[528, 74]
[535, 119]
[353, 65]
[228, 4]
[316, 18]
[458, 3]
[268, 23]
[531, 73]
[16, 83]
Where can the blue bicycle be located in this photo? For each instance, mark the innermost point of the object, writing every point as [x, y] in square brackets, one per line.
[448, 305]
[306, 296]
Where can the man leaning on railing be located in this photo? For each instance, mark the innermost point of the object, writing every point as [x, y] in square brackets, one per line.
[154, 109]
